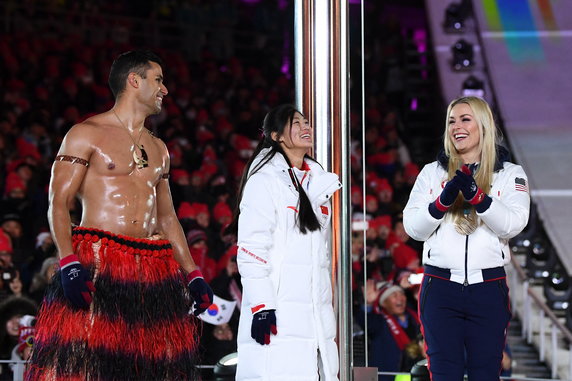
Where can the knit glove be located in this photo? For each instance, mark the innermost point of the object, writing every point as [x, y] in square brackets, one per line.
[471, 192]
[200, 291]
[263, 324]
[76, 282]
[447, 197]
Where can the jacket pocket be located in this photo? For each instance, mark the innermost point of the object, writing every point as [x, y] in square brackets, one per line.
[425, 290]
[505, 297]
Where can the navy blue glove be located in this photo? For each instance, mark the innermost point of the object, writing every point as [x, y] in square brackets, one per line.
[263, 324]
[449, 193]
[447, 197]
[200, 291]
[471, 192]
[76, 282]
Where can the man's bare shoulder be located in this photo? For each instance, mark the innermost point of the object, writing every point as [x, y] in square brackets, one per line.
[85, 135]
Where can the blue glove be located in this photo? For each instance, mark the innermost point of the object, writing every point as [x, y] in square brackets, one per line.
[439, 207]
[76, 282]
[200, 291]
[449, 193]
[263, 324]
[471, 192]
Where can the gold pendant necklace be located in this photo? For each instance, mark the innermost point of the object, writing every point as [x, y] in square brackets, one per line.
[140, 161]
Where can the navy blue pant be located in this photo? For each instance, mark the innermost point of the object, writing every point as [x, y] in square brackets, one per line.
[459, 319]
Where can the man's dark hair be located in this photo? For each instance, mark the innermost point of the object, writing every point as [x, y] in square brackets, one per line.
[135, 61]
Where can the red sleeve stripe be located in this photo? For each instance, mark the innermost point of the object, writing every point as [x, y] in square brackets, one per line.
[68, 260]
[194, 274]
[253, 255]
[257, 308]
[440, 206]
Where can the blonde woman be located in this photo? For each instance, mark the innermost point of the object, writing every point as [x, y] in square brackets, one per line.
[465, 207]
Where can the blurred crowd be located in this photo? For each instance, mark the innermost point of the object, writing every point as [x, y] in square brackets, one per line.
[210, 122]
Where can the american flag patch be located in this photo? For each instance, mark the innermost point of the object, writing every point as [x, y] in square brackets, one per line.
[520, 184]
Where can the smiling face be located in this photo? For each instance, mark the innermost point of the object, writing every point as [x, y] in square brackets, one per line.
[396, 303]
[297, 137]
[152, 88]
[464, 133]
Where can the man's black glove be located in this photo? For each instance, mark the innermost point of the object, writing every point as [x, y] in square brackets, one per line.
[200, 291]
[76, 282]
[263, 324]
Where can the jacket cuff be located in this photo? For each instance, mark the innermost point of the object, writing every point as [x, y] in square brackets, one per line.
[434, 210]
[484, 204]
[261, 294]
[194, 275]
[68, 260]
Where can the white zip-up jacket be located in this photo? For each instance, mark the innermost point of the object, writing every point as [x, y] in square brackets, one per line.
[487, 247]
[288, 271]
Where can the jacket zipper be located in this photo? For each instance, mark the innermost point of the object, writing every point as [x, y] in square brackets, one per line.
[466, 282]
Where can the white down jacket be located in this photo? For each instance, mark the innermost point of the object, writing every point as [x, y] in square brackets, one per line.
[288, 271]
[487, 246]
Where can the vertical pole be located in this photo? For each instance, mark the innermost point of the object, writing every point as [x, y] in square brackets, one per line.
[322, 77]
[341, 165]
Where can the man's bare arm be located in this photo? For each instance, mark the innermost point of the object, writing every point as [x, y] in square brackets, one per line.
[171, 227]
[65, 182]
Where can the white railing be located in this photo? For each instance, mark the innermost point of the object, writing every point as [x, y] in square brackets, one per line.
[536, 316]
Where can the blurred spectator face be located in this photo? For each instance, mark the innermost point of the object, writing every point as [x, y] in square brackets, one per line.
[16, 285]
[396, 303]
[399, 230]
[223, 332]
[371, 205]
[203, 220]
[25, 172]
[385, 196]
[371, 234]
[13, 326]
[357, 197]
[357, 243]
[17, 193]
[13, 228]
[383, 231]
[232, 267]
[5, 259]
[196, 180]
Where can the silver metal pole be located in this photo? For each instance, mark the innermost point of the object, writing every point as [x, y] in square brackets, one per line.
[299, 53]
[322, 77]
[341, 165]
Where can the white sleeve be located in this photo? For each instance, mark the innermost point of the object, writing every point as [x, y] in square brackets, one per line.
[507, 217]
[256, 224]
[417, 221]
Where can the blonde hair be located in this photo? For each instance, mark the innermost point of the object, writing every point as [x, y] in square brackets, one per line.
[463, 214]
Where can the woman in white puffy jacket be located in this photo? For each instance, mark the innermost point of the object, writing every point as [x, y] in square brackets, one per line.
[465, 207]
[287, 325]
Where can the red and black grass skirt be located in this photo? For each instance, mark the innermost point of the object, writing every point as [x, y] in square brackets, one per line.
[138, 326]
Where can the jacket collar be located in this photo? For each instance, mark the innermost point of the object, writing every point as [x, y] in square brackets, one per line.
[503, 155]
[321, 184]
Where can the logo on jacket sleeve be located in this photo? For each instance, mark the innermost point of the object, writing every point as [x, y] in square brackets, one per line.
[324, 210]
[520, 184]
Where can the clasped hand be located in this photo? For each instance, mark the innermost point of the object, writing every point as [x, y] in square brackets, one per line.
[462, 181]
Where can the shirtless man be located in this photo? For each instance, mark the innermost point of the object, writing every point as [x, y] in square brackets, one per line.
[120, 293]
